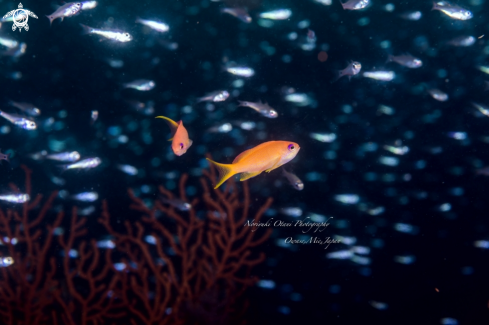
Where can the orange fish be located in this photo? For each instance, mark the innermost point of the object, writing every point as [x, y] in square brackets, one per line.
[264, 157]
[180, 141]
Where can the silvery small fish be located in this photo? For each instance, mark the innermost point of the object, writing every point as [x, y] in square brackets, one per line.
[177, 203]
[352, 69]
[19, 121]
[154, 25]
[26, 108]
[84, 164]
[15, 198]
[140, 84]
[406, 60]
[113, 35]
[462, 41]
[293, 180]
[65, 156]
[355, 4]
[452, 11]
[263, 109]
[67, 10]
[239, 13]
[215, 96]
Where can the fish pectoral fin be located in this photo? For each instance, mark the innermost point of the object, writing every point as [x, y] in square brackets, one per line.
[245, 176]
[275, 165]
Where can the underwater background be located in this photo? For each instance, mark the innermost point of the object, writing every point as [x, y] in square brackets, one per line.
[394, 171]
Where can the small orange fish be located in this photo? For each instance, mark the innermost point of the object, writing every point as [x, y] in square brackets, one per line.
[264, 157]
[180, 141]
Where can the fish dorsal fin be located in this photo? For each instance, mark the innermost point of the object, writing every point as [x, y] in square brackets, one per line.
[241, 156]
[248, 152]
[245, 176]
[172, 124]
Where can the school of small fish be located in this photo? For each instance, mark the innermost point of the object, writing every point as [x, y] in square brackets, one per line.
[373, 113]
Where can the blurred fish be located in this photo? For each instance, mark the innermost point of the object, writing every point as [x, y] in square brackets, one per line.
[39, 155]
[311, 36]
[462, 41]
[15, 52]
[19, 121]
[140, 84]
[380, 75]
[223, 128]
[177, 203]
[154, 25]
[355, 4]
[172, 46]
[128, 169]
[279, 14]
[411, 15]
[4, 156]
[67, 10]
[482, 171]
[252, 162]
[484, 69]
[87, 5]
[180, 140]
[86, 197]
[15, 198]
[483, 109]
[294, 212]
[299, 99]
[397, 150]
[323, 137]
[452, 11]
[293, 180]
[84, 164]
[351, 70]
[26, 108]
[93, 116]
[241, 71]
[215, 96]
[263, 109]
[113, 35]
[8, 43]
[438, 95]
[65, 156]
[406, 60]
[239, 13]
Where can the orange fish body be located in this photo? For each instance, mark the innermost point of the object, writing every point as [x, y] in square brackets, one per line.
[180, 141]
[264, 157]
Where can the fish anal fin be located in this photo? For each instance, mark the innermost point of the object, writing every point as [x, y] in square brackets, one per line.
[245, 176]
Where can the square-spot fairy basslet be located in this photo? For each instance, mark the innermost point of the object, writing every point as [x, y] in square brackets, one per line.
[252, 162]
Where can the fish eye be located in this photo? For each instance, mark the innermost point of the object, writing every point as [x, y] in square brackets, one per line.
[181, 145]
[291, 147]
[127, 34]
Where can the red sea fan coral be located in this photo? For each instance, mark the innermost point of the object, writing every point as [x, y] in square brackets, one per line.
[194, 270]
[197, 268]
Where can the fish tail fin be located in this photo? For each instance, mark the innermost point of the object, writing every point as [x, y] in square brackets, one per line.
[50, 20]
[389, 58]
[434, 6]
[86, 29]
[225, 172]
[337, 75]
[171, 123]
